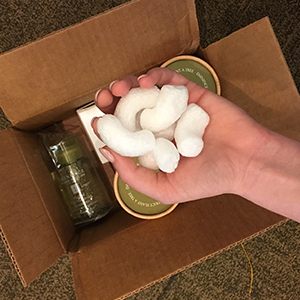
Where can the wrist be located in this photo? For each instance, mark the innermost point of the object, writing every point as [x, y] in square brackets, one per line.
[272, 176]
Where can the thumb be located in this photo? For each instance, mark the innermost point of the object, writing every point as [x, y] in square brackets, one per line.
[139, 178]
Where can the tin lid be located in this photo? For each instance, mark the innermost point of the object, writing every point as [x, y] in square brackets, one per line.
[138, 204]
[196, 70]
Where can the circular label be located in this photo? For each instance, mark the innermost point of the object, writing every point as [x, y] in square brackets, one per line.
[139, 202]
[195, 72]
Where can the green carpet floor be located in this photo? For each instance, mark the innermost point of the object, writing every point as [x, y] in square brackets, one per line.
[274, 254]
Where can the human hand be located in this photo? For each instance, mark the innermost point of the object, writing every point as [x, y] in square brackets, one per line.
[230, 142]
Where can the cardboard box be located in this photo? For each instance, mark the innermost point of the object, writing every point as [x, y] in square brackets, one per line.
[45, 81]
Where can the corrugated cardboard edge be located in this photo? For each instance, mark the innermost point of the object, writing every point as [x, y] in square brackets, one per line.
[122, 264]
[267, 22]
[267, 25]
[14, 261]
[60, 248]
[269, 94]
[11, 255]
[201, 260]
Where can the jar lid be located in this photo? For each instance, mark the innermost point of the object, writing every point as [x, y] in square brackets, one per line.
[138, 204]
[196, 70]
[67, 151]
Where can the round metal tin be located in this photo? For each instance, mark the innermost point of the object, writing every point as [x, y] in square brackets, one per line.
[195, 69]
[138, 204]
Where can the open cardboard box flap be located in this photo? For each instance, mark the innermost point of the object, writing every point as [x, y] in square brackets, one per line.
[118, 265]
[254, 75]
[33, 221]
[55, 75]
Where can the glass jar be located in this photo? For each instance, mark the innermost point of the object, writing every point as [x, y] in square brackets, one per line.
[85, 195]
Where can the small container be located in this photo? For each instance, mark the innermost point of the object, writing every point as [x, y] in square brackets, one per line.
[84, 193]
[196, 70]
[138, 204]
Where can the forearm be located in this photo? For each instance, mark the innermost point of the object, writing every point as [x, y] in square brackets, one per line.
[273, 178]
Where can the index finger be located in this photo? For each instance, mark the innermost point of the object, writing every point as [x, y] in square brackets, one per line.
[164, 76]
[107, 99]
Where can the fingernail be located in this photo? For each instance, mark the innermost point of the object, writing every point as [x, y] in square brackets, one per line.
[92, 121]
[112, 83]
[97, 94]
[107, 155]
[141, 76]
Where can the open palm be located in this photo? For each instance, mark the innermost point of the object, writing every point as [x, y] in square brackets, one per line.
[230, 140]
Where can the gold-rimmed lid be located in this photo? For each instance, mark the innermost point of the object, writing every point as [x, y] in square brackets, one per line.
[195, 69]
[138, 204]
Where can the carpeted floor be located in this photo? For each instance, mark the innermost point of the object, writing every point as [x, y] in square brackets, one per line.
[274, 255]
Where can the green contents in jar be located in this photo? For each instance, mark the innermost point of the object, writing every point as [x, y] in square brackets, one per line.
[84, 193]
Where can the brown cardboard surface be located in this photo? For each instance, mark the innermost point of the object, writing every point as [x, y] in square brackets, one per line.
[254, 75]
[142, 254]
[63, 71]
[32, 220]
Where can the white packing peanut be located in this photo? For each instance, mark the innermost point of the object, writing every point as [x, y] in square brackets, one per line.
[171, 103]
[190, 129]
[147, 120]
[148, 161]
[166, 155]
[136, 100]
[123, 141]
[167, 133]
